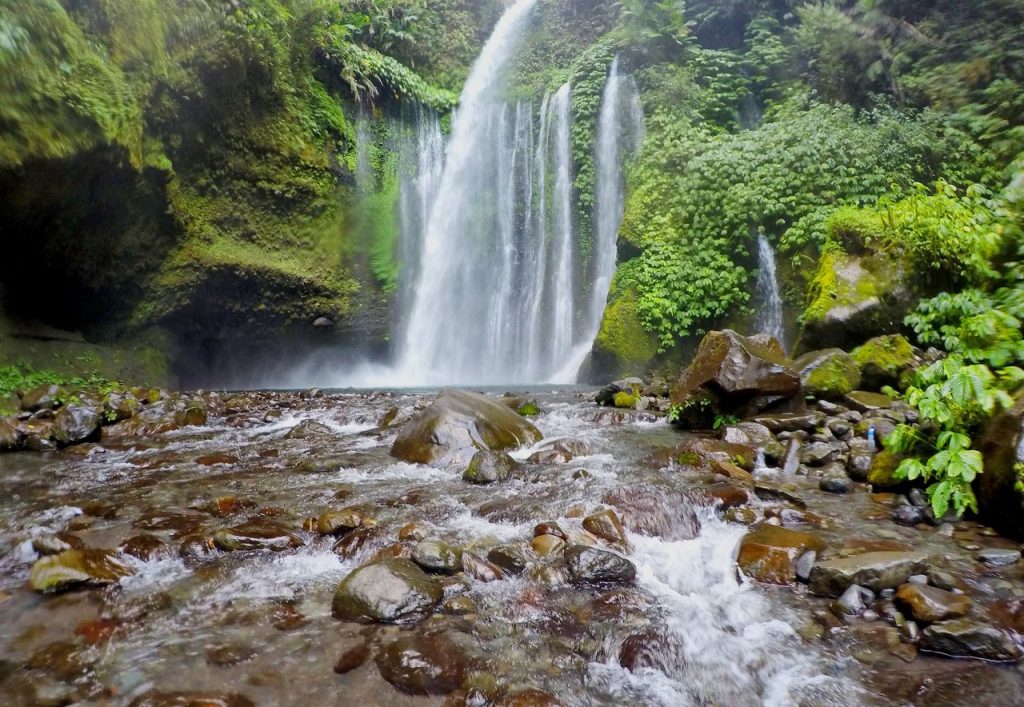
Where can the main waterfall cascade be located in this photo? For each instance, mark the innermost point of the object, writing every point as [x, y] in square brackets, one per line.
[494, 287]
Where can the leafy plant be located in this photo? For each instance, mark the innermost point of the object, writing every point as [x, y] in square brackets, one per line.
[952, 398]
[724, 421]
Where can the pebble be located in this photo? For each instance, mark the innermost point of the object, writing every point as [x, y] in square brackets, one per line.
[921, 579]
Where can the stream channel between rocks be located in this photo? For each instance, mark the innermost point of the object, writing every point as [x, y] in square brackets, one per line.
[256, 626]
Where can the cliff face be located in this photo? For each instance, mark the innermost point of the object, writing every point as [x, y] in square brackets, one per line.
[190, 166]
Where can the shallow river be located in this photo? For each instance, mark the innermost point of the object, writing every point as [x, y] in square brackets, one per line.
[259, 623]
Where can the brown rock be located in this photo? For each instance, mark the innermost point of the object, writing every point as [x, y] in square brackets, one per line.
[769, 553]
[930, 604]
[607, 526]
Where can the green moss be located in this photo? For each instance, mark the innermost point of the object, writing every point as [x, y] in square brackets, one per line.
[622, 335]
[885, 359]
[883, 468]
[689, 459]
[854, 229]
[836, 376]
[624, 400]
[528, 409]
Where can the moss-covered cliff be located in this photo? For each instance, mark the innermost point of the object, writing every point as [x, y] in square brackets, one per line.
[191, 165]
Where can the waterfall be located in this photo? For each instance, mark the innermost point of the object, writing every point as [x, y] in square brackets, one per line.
[620, 131]
[421, 164]
[769, 301]
[449, 335]
[494, 287]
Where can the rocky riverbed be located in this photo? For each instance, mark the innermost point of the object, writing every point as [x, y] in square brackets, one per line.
[268, 548]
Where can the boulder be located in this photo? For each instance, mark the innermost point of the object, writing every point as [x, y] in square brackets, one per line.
[393, 590]
[77, 567]
[966, 638]
[488, 466]
[511, 558]
[43, 397]
[435, 663]
[874, 570]
[11, 438]
[931, 604]
[655, 511]
[457, 425]
[590, 565]
[867, 403]
[884, 360]
[828, 374]
[75, 423]
[733, 374]
[855, 298]
[343, 521]
[792, 422]
[1000, 504]
[769, 553]
[750, 434]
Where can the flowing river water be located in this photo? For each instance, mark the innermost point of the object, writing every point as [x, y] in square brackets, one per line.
[258, 623]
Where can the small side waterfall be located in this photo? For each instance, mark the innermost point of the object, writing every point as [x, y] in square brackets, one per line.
[769, 300]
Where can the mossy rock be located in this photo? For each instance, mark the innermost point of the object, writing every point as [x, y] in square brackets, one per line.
[828, 374]
[883, 468]
[854, 298]
[624, 400]
[622, 345]
[884, 359]
[854, 229]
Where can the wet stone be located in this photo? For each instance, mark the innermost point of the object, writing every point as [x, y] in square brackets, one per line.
[607, 526]
[998, 557]
[511, 558]
[547, 545]
[549, 528]
[489, 466]
[309, 429]
[436, 556]
[590, 565]
[479, 568]
[966, 638]
[76, 423]
[56, 544]
[769, 553]
[908, 515]
[386, 591]
[146, 548]
[351, 544]
[874, 570]
[930, 604]
[257, 535]
[428, 664]
[836, 484]
[77, 567]
[655, 511]
[192, 699]
[341, 522]
[352, 658]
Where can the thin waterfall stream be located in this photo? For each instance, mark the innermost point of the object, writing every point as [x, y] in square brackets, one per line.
[769, 297]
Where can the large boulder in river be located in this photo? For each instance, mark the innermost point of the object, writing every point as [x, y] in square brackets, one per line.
[828, 374]
[76, 423]
[457, 425]
[734, 374]
[386, 591]
[966, 638]
[1002, 445]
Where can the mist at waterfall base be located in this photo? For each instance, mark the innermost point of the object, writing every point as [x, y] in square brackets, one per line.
[494, 287]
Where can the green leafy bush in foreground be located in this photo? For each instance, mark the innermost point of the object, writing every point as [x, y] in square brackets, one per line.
[952, 398]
